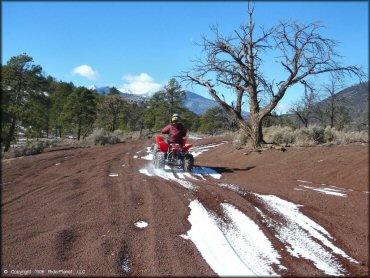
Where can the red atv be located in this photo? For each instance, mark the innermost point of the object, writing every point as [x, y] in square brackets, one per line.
[172, 154]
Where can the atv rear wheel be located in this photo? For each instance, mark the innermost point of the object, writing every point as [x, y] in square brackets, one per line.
[159, 160]
[188, 163]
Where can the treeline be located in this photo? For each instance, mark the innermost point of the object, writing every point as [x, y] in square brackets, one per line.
[323, 107]
[38, 106]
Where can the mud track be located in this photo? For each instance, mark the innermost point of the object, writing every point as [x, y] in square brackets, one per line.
[78, 209]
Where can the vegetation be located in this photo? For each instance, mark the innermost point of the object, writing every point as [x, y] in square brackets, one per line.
[35, 107]
[236, 62]
[22, 91]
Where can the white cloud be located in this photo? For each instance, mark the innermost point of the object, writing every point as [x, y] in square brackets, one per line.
[283, 108]
[86, 71]
[140, 84]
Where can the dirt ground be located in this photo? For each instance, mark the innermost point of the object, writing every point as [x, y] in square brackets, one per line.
[74, 210]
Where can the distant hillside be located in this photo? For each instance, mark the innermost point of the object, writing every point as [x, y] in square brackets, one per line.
[355, 99]
[198, 104]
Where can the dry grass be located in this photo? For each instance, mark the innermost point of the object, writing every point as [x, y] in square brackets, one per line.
[304, 137]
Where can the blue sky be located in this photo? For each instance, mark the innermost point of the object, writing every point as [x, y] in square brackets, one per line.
[141, 45]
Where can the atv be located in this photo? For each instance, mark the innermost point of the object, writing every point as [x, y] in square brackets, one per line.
[172, 155]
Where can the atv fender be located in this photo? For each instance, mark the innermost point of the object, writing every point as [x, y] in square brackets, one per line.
[162, 145]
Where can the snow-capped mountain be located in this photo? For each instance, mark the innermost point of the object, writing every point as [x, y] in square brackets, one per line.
[194, 102]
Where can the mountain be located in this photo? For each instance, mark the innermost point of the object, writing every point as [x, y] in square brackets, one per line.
[355, 99]
[129, 97]
[198, 104]
[100, 90]
[194, 102]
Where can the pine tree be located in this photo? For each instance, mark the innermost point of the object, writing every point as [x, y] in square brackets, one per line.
[79, 111]
[22, 83]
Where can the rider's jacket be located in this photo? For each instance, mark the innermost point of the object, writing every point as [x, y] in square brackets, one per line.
[176, 132]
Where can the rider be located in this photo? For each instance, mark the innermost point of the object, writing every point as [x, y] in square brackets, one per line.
[176, 130]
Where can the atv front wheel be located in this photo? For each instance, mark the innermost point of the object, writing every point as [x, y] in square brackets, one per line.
[159, 160]
[154, 152]
[188, 163]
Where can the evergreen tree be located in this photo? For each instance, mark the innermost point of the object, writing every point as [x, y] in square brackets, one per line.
[213, 120]
[165, 103]
[79, 111]
[22, 82]
[59, 94]
[111, 111]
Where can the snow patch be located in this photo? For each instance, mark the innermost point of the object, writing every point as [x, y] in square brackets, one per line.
[167, 174]
[304, 237]
[194, 137]
[135, 156]
[141, 224]
[231, 187]
[148, 157]
[239, 248]
[304, 181]
[195, 151]
[326, 190]
[113, 175]
[56, 164]
[145, 172]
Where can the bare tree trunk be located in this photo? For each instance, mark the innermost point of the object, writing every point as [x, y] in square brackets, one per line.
[256, 134]
[10, 135]
[79, 129]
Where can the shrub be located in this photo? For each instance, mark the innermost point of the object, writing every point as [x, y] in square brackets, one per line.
[240, 140]
[32, 148]
[330, 134]
[279, 135]
[103, 137]
[316, 134]
[355, 137]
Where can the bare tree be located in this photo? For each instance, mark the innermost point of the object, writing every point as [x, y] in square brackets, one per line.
[306, 108]
[235, 61]
[331, 105]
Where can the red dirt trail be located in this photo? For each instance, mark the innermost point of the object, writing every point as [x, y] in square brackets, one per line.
[62, 211]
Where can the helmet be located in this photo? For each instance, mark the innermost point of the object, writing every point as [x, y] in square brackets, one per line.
[175, 118]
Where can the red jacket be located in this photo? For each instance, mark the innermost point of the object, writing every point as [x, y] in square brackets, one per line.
[176, 131]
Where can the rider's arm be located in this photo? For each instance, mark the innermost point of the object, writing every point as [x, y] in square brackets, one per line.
[166, 130]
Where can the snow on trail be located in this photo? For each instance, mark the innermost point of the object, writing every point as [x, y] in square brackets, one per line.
[149, 155]
[141, 224]
[235, 248]
[303, 237]
[197, 171]
[145, 172]
[195, 151]
[323, 188]
[167, 174]
[238, 246]
[194, 137]
[326, 190]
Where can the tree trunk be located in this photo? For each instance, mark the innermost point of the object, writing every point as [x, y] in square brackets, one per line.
[256, 133]
[332, 115]
[79, 129]
[10, 135]
[114, 123]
